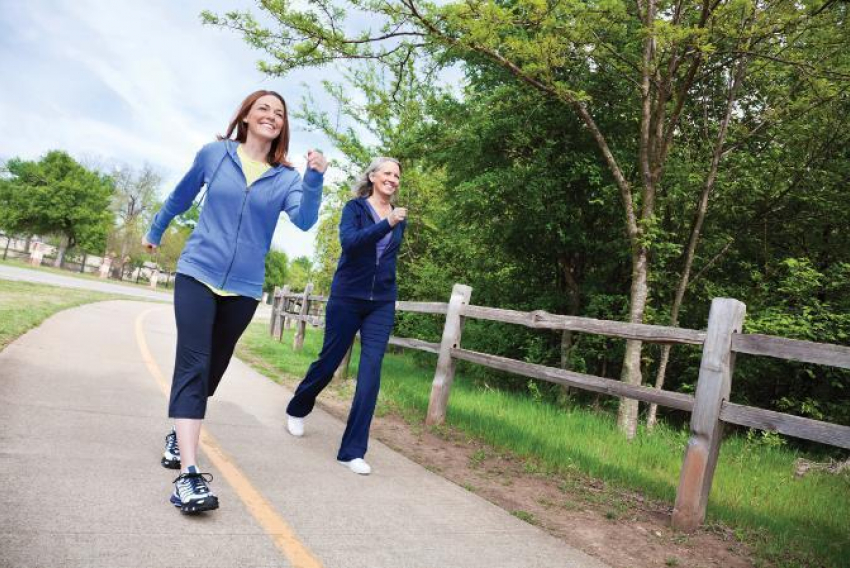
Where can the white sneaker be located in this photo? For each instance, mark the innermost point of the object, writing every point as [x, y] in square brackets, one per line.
[295, 426]
[357, 465]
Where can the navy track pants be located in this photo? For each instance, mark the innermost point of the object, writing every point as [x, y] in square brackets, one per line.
[208, 327]
[344, 317]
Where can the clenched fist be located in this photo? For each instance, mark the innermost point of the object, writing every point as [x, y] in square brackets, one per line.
[396, 216]
[150, 247]
[317, 161]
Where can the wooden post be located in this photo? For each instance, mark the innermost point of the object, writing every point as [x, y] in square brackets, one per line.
[301, 326]
[713, 385]
[105, 266]
[36, 255]
[281, 322]
[341, 372]
[287, 322]
[445, 373]
[275, 307]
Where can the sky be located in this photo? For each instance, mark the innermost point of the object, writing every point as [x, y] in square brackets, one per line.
[116, 82]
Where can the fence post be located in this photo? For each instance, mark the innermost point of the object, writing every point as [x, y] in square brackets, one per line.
[445, 373]
[275, 307]
[282, 322]
[36, 255]
[287, 322]
[105, 265]
[301, 326]
[713, 385]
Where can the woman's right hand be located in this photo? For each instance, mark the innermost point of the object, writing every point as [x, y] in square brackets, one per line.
[149, 246]
[396, 216]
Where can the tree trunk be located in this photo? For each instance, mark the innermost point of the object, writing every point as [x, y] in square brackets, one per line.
[631, 373]
[627, 417]
[568, 265]
[118, 267]
[696, 231]
[60, 255]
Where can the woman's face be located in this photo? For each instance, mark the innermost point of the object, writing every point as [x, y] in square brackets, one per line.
[385, 179]
[265, 119]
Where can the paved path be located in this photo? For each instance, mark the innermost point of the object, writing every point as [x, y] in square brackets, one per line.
[82, 421]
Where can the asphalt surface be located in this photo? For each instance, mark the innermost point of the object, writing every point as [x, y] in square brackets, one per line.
[82, 425]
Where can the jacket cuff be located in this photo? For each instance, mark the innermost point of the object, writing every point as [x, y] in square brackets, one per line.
[313, 180]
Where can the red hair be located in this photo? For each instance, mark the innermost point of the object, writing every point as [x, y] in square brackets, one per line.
[280, 146]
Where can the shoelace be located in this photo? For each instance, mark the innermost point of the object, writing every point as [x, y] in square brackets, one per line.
[198, 481]
[171, 443]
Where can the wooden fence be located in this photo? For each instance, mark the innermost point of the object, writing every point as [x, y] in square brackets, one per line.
[709, 407]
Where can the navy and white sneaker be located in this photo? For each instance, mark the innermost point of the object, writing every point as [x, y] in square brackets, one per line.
[191, 493]
[171, 455]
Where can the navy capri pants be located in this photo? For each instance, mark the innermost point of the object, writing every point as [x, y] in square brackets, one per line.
[343, 318]
[208, 327]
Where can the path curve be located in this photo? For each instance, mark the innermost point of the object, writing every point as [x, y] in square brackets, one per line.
[82, 421]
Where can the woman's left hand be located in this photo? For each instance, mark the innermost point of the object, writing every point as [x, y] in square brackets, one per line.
[317, 161]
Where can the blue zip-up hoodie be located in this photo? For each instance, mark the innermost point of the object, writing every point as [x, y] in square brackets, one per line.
[360, 273]
[228, 247]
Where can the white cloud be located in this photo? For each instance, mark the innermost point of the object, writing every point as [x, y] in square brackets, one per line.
[133, 83]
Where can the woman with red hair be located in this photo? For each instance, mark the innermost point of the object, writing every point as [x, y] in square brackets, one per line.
[249, 182]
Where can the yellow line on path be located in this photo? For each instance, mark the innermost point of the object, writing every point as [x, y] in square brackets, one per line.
[280, 532]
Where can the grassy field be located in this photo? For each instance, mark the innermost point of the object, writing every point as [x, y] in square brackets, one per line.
[790, 521]
[24, 305]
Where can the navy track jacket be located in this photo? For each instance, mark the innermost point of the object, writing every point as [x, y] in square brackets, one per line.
[228, 247]
[360, 273]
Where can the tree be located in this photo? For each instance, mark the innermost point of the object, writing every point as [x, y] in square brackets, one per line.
[175, 237]
[675, 64]
[328, 249]
[277, 264]
[299, 273]
[56, 195]
[135, 196]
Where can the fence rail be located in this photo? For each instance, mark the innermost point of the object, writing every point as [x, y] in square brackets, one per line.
[544, 320]
[792, 349]
[710, 407]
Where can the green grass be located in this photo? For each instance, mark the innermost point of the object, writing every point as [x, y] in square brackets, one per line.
[24, 305]
[143, 283]
[790, 521]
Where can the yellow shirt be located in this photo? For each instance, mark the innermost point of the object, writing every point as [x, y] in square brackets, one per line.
[252, 170]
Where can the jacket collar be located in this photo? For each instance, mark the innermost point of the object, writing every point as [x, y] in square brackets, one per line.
[232, 145]
[396, 231]
[362, 201]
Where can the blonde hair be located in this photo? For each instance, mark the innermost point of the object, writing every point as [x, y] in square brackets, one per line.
[363, 185]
